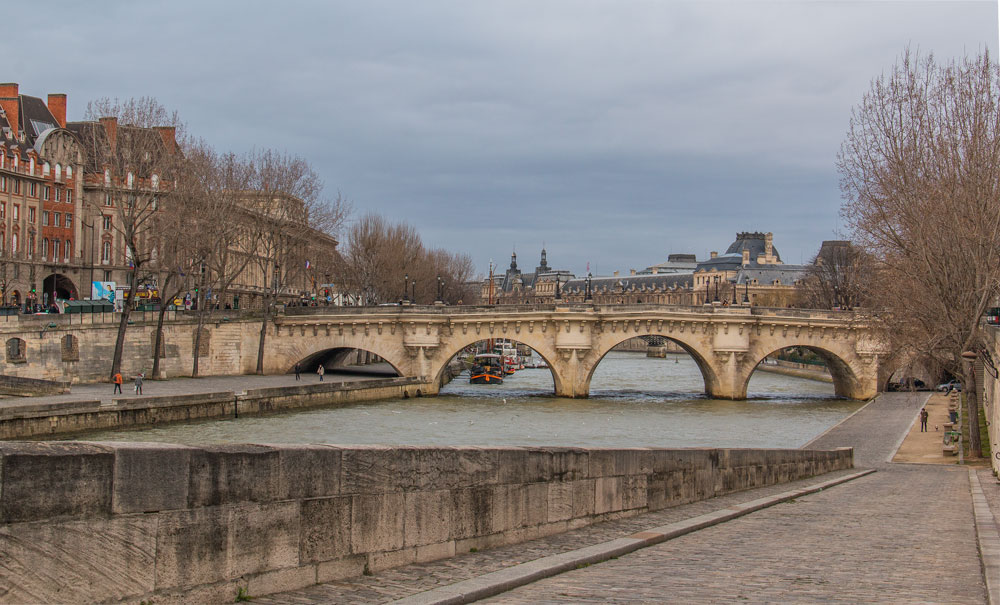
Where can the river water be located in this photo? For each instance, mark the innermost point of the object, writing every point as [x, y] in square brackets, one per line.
[634, 401]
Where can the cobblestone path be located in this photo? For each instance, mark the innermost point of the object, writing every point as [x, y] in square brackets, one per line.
[904, 534]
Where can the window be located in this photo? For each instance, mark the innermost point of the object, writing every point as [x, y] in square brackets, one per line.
[107, 276]
[45, 169]
[55, 249]
[69, 196]
[107, 177]
[3, 181]
[58, 172]
[67, 249]
[33, 189]
[15, 161]
[31, 165]
[107, 199]
[106, 255]
[17, 212]
[56, 219]
[31, 244]
[3, 209]
[155, 181]
[130, 180]
[13, 243]
[69, 220]
[58, 194]
[46, 193]
[107, 223]
[16, 350]
[45, 219]
[69, 172]
[17, 185]
[45, 248]
[3, 159]
[31, 215]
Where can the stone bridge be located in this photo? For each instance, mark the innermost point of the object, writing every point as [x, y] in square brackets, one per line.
[727, 343]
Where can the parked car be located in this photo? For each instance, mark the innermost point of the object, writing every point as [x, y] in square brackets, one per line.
[949, 386]
[993, 316]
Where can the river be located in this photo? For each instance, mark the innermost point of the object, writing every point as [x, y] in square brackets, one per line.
[634, 401]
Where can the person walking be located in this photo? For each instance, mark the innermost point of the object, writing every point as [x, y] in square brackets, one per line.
[138, 383]
[923, 420]
[118, 383]
[298, 369]
[320, 370]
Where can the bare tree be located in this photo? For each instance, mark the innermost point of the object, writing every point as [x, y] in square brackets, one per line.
[837, 278]
[289, 218]
[133, 145]
[920, 173]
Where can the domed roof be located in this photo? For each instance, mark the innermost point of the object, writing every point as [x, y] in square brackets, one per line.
[754, 242]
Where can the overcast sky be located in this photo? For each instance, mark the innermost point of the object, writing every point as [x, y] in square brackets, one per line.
[615, 132]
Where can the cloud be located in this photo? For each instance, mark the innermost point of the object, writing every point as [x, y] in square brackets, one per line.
[615, 131]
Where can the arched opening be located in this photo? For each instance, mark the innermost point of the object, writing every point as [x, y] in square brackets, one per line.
[526, 371]
[346, 361]
[800, 371]
[58, 286]
[668, 367]
[15, 297]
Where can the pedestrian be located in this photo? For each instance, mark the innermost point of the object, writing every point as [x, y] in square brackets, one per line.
[923, 420]
[320, 370]
[138, 383]
[118, 383]
[297, 370]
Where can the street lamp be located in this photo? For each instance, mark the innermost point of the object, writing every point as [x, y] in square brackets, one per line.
[746, 291]
[558, 293]
[708, 299]
[716, 299]
[440, 284]
[406, 282]
[413, 298]
[589, 296]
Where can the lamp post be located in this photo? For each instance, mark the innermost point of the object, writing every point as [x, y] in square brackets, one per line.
[589, 296]
[558, 293]
[406, 282]
[708, 299]
[716, 299]
[413, 298]
[746, 291]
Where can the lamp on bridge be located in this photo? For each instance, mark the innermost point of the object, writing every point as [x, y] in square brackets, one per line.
[558, 293]
[746, 290]
[406, 282]
[413, 298]
[588, 295]
[716, 299]
[440, 284]
[708, 300]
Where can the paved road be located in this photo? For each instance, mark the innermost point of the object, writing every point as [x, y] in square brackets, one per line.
[210, 384]
[903, 534]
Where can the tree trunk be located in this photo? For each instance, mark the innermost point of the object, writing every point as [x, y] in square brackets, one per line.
[116, 362]
[263, 336]
[158, 341]
[971, 396]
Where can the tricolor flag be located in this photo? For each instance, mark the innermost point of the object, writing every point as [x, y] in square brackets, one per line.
[307, 264]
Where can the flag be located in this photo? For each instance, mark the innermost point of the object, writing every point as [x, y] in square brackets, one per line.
[307, 264]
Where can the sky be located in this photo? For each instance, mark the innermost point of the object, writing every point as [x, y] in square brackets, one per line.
[613, 132]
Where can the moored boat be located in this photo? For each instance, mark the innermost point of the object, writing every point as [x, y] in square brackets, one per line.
[486, 369]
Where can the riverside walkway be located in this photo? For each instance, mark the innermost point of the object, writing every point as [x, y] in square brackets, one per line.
[906, 533]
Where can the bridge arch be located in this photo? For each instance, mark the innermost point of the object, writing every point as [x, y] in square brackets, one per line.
[844, 369]
[458, 342]
[708, 372]
[331, 358]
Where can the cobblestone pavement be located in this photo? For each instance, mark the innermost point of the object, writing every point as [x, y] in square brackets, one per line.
[412, 579]
[888, 537]
[185, 386]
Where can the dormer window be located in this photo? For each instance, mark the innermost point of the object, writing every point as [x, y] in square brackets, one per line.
[107, 177]
[45, 169]
[69, 172]
[58, 172]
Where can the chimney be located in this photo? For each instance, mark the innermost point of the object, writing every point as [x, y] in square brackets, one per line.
[110, 125]
[631, 271]
[768, 247]
[616, 274]
[746, 257]
[57, 106]
[10, 102]
[655, 270]
[713, 254]
[169, 136]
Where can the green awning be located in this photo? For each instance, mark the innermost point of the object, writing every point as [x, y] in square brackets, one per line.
[88, 306]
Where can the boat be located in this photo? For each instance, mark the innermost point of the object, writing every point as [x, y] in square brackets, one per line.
[487, 368]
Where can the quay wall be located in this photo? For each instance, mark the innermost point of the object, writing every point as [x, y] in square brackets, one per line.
[52, 420]
[132, 522]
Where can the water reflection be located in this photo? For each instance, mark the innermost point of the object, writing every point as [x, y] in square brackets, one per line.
[635, 401]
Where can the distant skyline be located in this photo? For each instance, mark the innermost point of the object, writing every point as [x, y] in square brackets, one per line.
[616, 132]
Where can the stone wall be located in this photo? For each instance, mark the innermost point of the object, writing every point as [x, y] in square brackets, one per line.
[94, 522]
[50, 420]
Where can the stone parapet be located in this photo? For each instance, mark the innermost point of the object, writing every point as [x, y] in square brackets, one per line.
[127, 521]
